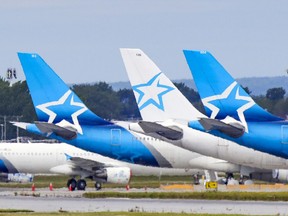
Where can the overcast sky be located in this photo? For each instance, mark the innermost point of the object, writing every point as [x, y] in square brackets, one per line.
[80, 39]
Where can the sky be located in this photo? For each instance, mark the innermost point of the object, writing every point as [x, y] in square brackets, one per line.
[80, 39]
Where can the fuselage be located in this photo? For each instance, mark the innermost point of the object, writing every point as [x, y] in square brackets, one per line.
[269, 137]
[224, 149]
[41, 158]
[263, 146]
[117, 142]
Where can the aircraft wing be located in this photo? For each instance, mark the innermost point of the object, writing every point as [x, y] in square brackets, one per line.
[232, 130]
[89, 164]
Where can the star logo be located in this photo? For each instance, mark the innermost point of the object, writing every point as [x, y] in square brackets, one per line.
[232, 97]
[61, 108]
[152, 93]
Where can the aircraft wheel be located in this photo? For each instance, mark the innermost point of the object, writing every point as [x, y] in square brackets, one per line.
[81, 184]
[98, 186]
[73, 184]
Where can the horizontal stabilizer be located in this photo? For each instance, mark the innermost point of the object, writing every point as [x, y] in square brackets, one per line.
[65, 133]
[232, 130]
[155, 130]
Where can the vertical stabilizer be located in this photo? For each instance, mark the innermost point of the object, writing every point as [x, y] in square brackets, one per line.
[221, 95]
[157, 97]
[54, 102]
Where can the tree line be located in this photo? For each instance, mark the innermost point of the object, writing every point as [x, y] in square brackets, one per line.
[16, 103]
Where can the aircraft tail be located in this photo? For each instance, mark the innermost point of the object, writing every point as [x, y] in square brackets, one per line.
[54, 102]
[157, 97]
[221, 95]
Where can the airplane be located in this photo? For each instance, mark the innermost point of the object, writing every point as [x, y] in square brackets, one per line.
[64, 117]
[164, 109]
[61, 158]
[233, 114]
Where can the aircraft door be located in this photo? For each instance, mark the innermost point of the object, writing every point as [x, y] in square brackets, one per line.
[115, 138]
[284, 134]
[222, 147]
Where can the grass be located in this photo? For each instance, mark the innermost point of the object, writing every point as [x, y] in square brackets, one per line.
[14, 211]
[210, 195]
[11, 213]
[136, 182]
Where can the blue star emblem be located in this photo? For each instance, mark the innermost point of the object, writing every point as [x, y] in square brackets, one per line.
[158, 91]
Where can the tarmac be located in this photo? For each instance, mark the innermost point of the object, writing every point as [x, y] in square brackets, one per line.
[45, 200]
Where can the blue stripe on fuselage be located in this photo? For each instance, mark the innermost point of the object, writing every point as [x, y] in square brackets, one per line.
[98, 139]
[3, 167]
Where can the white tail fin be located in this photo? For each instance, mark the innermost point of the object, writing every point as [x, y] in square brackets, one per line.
[157, 97]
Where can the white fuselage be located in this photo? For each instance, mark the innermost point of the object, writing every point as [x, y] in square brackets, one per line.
[213, 146]
[41, 158]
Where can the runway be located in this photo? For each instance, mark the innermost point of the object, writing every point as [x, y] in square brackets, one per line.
[73, 202]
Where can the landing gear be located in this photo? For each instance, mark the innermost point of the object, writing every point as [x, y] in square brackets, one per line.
[72, 183]
[230, 179]
[98, 186]
[196, 179]
[81, 184]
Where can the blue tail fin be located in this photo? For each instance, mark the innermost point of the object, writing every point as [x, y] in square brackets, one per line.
[52, 98]
[221, 95]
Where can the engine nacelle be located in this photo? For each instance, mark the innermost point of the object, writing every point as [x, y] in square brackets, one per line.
[65, 169]
[280, 175]
[119, 175]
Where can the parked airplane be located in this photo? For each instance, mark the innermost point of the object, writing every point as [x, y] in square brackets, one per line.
[63, 116]
[234, 115]
[61, 158]
[166, 113]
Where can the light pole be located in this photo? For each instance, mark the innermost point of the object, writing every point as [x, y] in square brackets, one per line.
[1, 125]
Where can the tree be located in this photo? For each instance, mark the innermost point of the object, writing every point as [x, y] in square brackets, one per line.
[275, 93]
[100, 98]
[129, 108]
[191, 95]
[247, 90]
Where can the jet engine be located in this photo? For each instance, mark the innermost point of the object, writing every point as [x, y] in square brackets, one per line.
[119, 175]
[280, 175]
